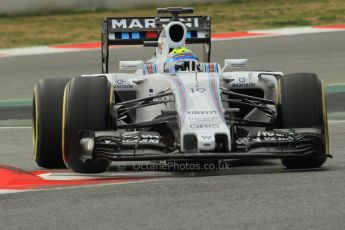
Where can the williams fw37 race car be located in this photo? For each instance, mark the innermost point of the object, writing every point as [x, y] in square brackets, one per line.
[176, 107]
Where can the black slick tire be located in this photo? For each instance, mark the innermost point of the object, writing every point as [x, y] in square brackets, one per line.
[303, 105]
[87, 102]
[46, 122]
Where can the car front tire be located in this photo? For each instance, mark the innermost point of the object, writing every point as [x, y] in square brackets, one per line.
[303, 105]
[87, 102]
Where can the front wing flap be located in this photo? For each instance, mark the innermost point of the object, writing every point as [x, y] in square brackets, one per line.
[279, 143]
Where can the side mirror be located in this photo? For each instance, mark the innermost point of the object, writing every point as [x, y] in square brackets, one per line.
[236, 63]
[131, 65]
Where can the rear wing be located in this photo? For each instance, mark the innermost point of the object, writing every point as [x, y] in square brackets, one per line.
[136, 31]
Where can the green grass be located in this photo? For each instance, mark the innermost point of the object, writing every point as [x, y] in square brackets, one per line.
[290, 22]
[235, 15]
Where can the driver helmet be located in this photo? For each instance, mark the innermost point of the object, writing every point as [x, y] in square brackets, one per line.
[181, 56]
[181, 53]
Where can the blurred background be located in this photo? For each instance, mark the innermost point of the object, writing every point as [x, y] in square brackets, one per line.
[40, 22]
[38, 6]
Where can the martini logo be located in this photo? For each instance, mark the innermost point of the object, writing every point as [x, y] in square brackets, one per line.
[140, 139]
[133, 23]
[272, 136]
[149, 23]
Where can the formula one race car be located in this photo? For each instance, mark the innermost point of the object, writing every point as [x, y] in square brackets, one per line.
[175, 107]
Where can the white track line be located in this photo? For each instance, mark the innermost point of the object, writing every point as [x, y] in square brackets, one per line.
[16, 127]
[296, 31]
[336, 121]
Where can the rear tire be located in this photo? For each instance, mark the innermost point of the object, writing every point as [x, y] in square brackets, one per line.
[303, 105]
[47, 119]
[87, 102]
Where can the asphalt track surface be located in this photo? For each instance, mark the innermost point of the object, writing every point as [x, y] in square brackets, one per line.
[249, 195]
